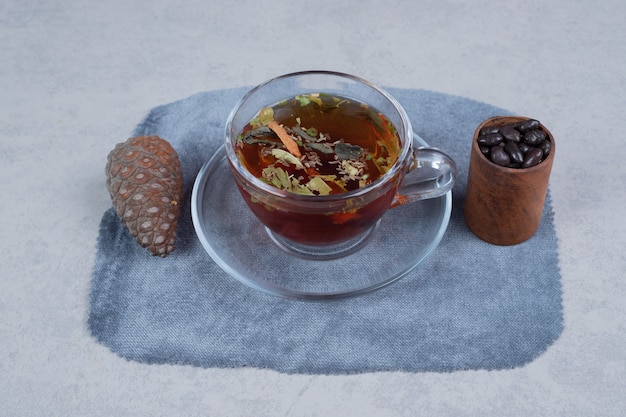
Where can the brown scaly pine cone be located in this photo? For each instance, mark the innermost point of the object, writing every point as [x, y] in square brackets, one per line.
[145, 181]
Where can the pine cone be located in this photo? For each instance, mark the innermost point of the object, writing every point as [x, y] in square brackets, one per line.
[145, 181]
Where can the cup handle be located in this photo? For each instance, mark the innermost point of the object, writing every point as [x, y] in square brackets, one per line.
[431, 174]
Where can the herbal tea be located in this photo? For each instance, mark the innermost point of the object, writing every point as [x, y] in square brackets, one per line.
[318, 144]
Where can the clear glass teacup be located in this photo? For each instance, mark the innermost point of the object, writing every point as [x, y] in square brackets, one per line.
[334, 225]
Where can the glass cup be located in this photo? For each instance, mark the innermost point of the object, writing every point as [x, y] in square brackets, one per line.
[331, 226]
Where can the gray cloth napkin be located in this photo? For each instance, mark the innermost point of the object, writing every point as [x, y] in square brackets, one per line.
[470, 305]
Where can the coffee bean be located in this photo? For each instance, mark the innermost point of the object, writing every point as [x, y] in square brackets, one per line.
[488, 130]
[534, 137]
[514, 152]
[490, 139]
[527, 125]
[524, 147]
[500, 157]
[546, 147]
[485, 149]
[510, 133]
[532, 158]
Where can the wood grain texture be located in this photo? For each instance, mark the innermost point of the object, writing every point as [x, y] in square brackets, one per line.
[503, 205]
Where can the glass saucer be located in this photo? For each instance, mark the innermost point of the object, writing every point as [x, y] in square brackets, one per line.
[240, 245]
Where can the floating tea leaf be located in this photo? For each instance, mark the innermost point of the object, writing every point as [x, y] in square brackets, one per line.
[347, 151]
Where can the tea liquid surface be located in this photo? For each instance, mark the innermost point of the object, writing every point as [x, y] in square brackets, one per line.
[343, 145]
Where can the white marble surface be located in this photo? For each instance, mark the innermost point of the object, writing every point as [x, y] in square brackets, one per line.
[75, 78]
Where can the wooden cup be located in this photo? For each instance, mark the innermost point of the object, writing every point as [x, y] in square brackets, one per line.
[503, 205]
